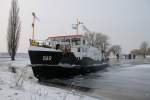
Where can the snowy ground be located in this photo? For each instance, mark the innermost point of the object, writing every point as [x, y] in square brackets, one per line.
[18, 83]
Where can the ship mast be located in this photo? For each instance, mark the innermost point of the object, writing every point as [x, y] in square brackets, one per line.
[76, 26]
[33, 24]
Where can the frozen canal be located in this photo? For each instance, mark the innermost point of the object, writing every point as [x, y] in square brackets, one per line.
[123, 80]
[128, 83]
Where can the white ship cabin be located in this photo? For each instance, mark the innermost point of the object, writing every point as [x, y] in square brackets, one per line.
[78, 44]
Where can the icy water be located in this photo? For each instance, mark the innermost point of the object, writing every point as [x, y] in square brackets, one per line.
[129, 83]
[123, 80]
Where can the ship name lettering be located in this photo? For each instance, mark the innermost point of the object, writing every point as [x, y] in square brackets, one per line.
[47, 58]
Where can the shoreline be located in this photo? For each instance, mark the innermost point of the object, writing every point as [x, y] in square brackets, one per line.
[22, 84]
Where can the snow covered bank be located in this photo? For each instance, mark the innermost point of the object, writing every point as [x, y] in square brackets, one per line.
[18, 83]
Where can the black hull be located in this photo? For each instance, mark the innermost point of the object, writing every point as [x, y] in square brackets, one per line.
[57, 71]
[49, 64]
[43, 57]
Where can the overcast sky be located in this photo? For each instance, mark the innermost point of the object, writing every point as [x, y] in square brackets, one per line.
[126, 22]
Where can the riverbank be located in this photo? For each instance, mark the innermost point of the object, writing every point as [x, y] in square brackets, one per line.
[18, 83]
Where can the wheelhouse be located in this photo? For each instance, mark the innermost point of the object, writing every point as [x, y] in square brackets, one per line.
[78, 45]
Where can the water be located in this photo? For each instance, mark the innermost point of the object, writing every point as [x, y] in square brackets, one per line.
[130, 83]
[122, 81]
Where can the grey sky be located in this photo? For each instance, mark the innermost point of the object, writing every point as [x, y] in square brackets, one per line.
[126, 22]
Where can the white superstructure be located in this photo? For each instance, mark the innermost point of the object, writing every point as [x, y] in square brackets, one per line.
[78, 44]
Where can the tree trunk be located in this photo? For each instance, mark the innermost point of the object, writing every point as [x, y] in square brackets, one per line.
[12, 58]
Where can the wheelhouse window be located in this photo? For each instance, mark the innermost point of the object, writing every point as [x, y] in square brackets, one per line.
[76, 42]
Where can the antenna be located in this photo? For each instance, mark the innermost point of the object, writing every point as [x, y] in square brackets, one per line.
[77, 25]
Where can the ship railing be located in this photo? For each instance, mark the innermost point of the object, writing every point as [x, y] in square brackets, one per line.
[48, 44]
[39, 43]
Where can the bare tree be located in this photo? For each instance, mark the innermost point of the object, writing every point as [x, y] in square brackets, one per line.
[14, 29]
[99, 41]
[136, 52]
[143, 48]
[116, 50]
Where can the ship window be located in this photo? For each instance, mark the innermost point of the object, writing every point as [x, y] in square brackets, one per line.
[78, 49]
[83, 42]
[76, 42]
